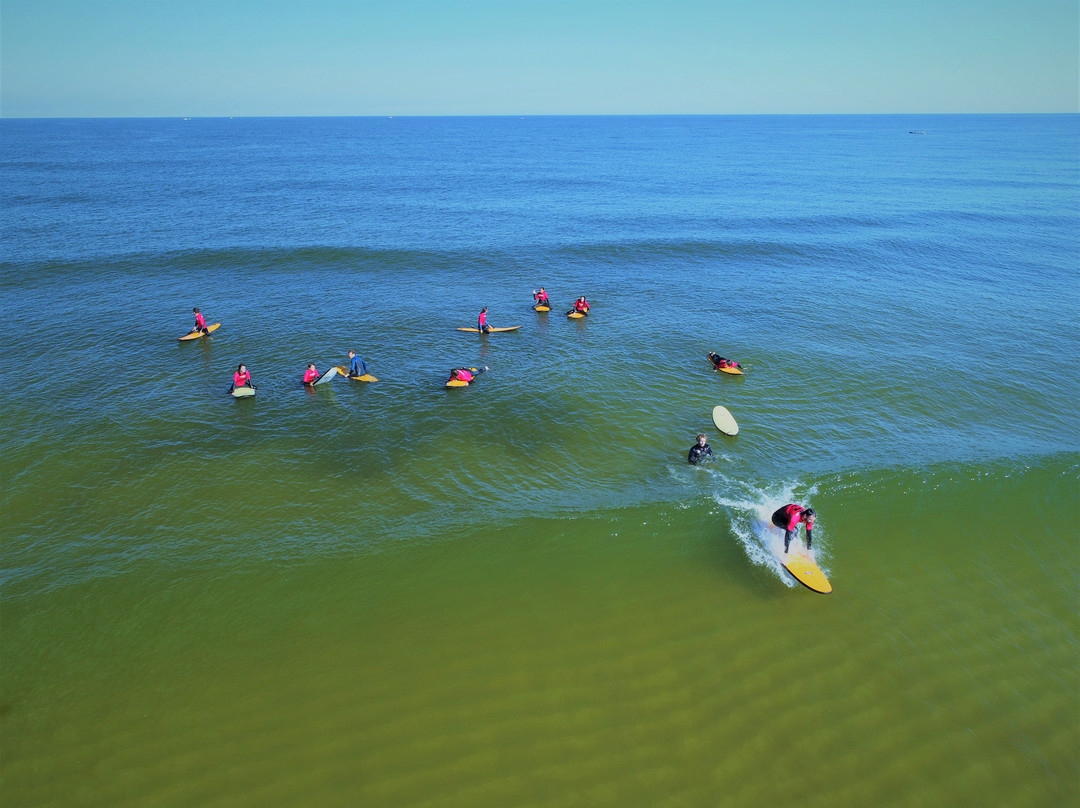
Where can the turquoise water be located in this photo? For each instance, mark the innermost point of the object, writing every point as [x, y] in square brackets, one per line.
[519, 593]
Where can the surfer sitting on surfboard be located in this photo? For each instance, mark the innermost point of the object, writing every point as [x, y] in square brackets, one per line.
[788, 518]
[200, 322]
[242, 378]
[699, 451]
[356, 365]
[311, 375]
[581, 305]
[481, 321]
[720, 362]
[540, 297]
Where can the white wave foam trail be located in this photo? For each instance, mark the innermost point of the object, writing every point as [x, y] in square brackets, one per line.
[751, 508]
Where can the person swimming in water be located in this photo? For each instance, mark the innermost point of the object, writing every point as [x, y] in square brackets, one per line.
[699, 451]
[311, 375]
[788, 519]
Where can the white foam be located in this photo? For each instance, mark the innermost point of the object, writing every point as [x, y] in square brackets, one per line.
[750, 509]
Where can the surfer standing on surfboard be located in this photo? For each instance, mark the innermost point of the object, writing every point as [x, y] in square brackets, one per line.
[788, 518]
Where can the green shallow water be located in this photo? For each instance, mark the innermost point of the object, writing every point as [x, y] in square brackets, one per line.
[633, 657]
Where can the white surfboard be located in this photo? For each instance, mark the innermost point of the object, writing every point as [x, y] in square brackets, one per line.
[724, 422]
[331, 373]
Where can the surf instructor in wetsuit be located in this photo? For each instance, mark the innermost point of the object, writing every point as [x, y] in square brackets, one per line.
[788, 518]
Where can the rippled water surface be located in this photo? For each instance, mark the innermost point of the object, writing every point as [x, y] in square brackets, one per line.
[519, 593]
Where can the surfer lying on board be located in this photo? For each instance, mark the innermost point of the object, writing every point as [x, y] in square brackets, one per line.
[311, 374]
[541, 297]
[581, 306]
[699, 451]
[481, 321]
[720, 362]
[788, 518]
[465, 374]
[356, 365]
[242, 378]
[200, 322]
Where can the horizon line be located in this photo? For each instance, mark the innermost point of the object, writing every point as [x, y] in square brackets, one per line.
[518, 115]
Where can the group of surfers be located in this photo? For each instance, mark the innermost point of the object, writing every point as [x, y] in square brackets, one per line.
[357, 368]
[787, 518]
[540, 299]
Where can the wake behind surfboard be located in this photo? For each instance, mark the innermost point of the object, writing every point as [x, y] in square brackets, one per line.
[797, 561]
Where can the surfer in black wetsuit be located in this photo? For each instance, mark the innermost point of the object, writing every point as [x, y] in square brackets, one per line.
[788, 518]
[699, 451]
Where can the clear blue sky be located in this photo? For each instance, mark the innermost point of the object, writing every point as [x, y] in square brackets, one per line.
[120, 58]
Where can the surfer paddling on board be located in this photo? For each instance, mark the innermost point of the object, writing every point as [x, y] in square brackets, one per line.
[720, 362]
[200, 322]
[481, 321]
[242, 378]
[311, 375]
[465, 374]
[699, 451]
[356, 365]
[788, 518]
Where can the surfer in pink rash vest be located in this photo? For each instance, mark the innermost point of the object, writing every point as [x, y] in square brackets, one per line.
[788, 518]
[462, 375]
[200, 322]
[242, 378]
[311, 374]
[481, 321]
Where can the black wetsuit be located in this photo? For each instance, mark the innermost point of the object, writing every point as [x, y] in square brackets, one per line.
[698, 453]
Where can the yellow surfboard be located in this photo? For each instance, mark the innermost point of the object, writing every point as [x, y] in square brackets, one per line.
[541, 308]
[367, 377]
[575, 315]
[732, 371]
[197, 334]
[459, 383]
[491, 330]
[805, 570]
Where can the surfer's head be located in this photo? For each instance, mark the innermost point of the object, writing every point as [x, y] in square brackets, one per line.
[808, 515]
